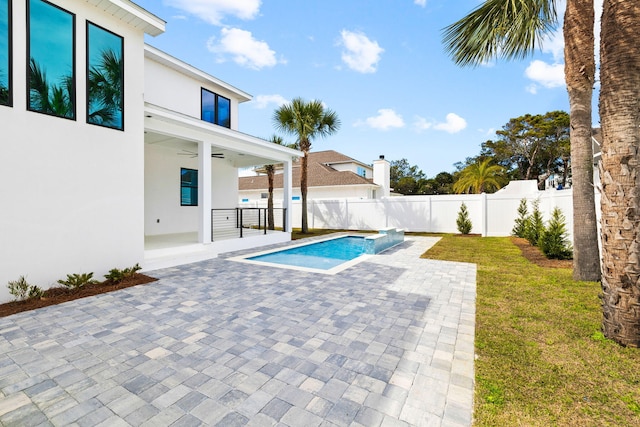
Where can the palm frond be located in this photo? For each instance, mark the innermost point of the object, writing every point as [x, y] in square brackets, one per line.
[508, 29]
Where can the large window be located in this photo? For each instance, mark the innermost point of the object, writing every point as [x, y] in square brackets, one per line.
[50, 55]
[216, 109]
[105, 78]
[188, 187]
[6, 97]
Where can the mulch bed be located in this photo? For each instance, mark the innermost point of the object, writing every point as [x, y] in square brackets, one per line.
[535, 255]
[59, 295]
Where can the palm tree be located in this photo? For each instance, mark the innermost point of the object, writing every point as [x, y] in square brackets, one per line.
[307, 121]
[619, 106]
[270, 170]
[478, 177]
[512, 29]
[106, 89]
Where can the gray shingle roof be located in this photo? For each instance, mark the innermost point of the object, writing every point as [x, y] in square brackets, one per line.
[319, 174]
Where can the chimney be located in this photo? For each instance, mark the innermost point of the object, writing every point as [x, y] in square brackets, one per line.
[382, 176]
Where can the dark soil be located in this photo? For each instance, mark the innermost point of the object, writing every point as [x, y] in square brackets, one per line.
[535, 255]
[59, 295]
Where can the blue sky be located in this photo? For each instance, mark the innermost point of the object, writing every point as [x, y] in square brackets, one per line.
[379, 65]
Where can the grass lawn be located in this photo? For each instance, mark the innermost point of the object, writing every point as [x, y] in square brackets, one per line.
[541, 358]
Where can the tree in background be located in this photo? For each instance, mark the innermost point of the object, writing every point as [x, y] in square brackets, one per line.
[479, 177]
[307, 121]
[532, 146]
[404, 178]
[512, 30]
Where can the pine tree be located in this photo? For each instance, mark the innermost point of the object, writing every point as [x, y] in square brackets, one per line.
[463, 221]
[553, 241]
[520, 227]
[535, 224]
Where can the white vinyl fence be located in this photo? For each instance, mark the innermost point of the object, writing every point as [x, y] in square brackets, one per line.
[490, 214]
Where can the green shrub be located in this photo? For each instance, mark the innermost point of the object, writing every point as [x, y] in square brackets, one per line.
[534, 225]
[520, 227]
[77, 281]
[22, 290]
[463, 222]
[116, 275]
[553, 241]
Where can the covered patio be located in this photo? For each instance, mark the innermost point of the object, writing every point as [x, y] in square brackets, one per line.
[186, 221]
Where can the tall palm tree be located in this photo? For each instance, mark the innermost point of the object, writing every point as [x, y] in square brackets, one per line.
[512, 29]
[270, 170]
[106, 89]
[619, 107]
[479, 177]
[307, 121]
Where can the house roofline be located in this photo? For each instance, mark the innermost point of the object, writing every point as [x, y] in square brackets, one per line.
[191, 71]
[132, 14]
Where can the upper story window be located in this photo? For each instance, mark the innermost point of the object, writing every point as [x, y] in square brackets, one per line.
[105, 78]
[362, 171]
[188, 187]
[51, 63]
[6, 95]
[216, 109]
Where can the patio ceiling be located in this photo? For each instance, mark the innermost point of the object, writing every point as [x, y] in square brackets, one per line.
[170, 129]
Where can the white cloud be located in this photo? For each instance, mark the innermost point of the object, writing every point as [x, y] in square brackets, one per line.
[454, 124]
[553, 43]
[547, 75]
[360, 54]
[421, 124]
[263, 101]
[243, 49]
[385, 120]
[422, 3]
[214, 11]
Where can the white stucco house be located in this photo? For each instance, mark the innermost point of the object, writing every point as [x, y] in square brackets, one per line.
[330, 175]
[101, 171]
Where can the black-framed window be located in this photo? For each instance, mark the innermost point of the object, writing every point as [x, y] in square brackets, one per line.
[51, 55]
[188, 187]
[105, 77]
[6, 93]
[216, 109]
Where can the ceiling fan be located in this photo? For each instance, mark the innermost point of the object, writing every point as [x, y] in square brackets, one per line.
[193, 154]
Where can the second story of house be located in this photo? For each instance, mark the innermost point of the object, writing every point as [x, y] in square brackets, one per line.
[191, 91]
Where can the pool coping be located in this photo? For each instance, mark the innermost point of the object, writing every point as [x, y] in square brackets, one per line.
[334, 270]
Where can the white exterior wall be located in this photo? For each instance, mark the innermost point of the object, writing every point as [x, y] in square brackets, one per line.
[162, 190]
[68, 185]
[183, 94]
[353, 167]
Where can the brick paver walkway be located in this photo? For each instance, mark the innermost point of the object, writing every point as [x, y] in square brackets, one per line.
[388, 342]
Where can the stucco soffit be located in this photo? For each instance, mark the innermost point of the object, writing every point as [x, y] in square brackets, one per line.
[191, 128]
[134, 15]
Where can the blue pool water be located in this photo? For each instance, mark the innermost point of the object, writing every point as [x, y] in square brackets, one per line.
[321, 255]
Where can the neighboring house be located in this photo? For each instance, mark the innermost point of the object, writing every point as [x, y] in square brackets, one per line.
[331, 175]
[95, 179]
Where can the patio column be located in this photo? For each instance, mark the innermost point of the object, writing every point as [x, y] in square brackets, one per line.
[204, 192]
[287, 191]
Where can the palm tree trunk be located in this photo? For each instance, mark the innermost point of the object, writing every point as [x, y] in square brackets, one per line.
[620, 118]
[579, 74]
[303, 191]
[270, 220]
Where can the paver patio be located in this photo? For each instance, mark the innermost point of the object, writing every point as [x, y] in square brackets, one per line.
[388, 342]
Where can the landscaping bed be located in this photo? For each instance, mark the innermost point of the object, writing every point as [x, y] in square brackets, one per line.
[60, 294]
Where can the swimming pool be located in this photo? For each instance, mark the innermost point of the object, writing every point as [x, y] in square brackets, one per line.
[324, 256]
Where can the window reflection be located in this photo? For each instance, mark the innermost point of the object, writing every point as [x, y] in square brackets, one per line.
[105, 78]
[51, 82]
[5, 52]
[216, 109]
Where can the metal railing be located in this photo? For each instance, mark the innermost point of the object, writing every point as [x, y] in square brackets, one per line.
[241, 222]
